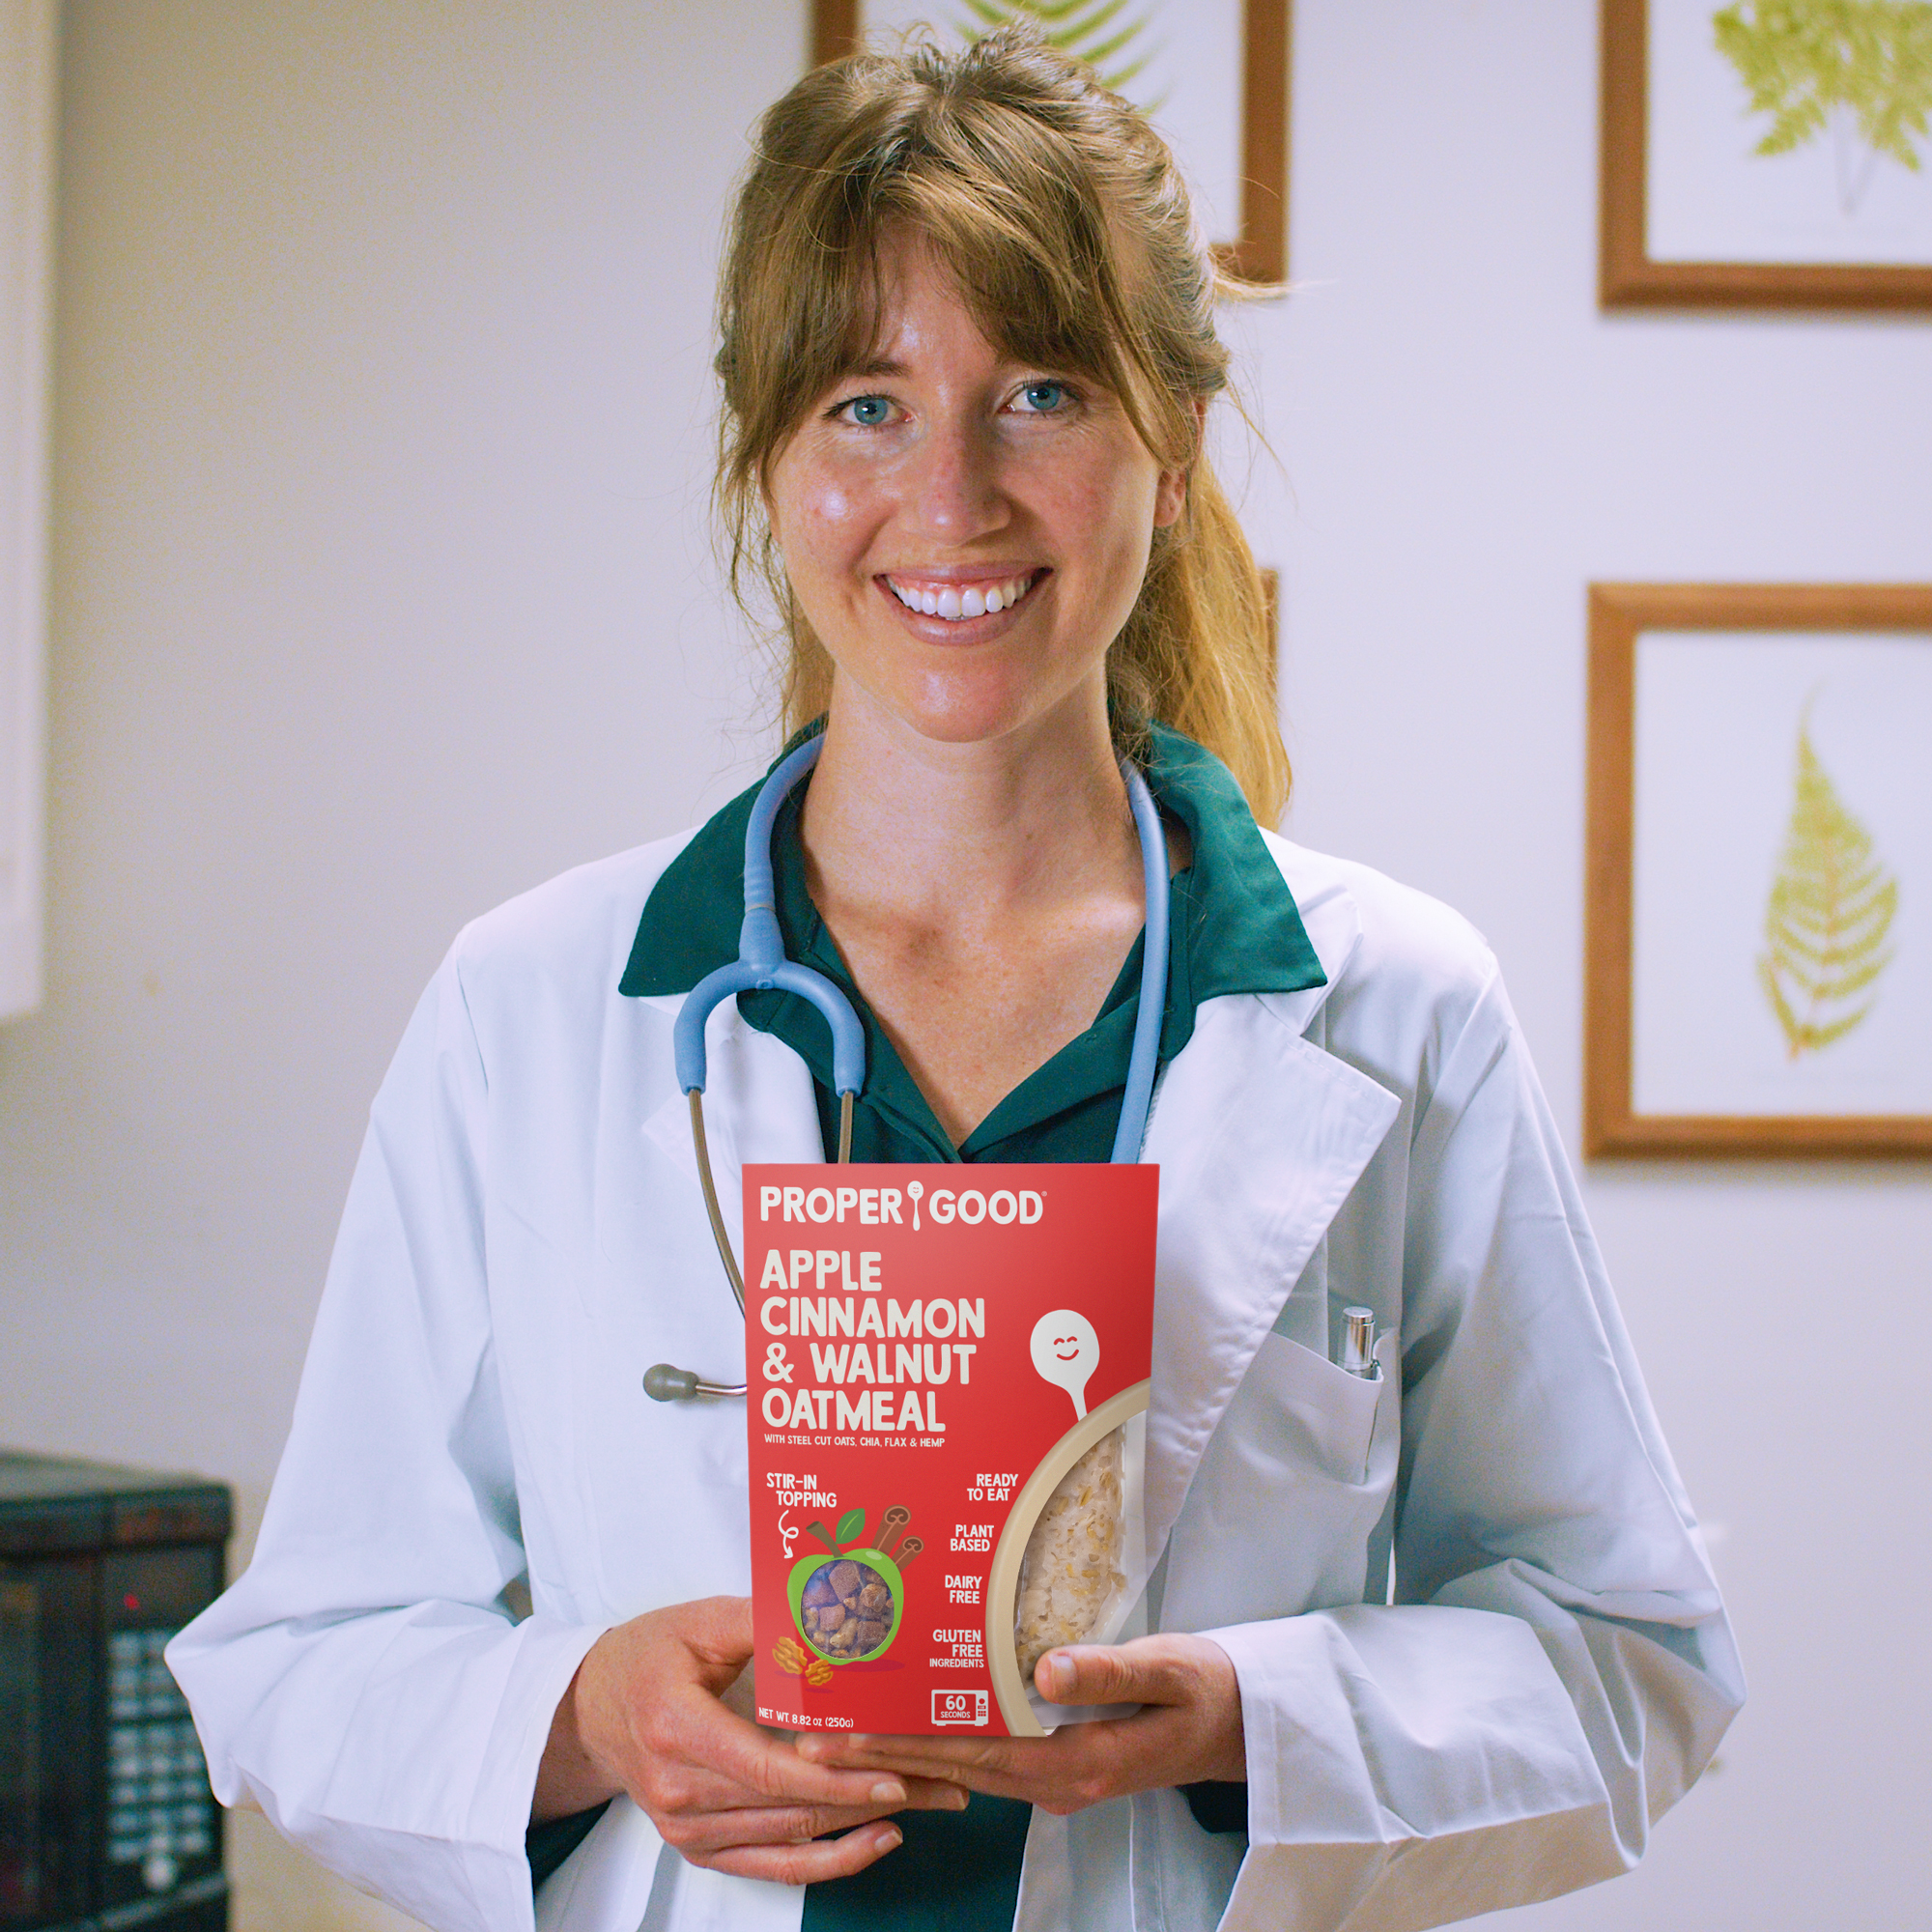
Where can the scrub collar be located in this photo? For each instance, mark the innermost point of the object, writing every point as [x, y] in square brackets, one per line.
[1235, 930]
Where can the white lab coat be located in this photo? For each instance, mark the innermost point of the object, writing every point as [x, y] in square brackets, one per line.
[525, 1236]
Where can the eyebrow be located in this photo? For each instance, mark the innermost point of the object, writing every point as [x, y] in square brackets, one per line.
[874, 365]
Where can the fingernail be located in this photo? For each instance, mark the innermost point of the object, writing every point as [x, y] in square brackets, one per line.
[954, 1799]
[1059, 1670]
[889, 1836]
[888, 1791]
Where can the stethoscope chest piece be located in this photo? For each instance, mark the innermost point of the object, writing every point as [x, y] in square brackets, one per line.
[665, 1384]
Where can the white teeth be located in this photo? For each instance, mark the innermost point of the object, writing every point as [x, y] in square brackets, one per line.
[955, 604]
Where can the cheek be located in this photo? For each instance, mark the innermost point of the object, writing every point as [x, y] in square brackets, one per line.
[817, 527]
[820, 518]
[1114, 505]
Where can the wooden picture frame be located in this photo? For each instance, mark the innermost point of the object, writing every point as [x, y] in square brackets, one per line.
[1629, 277]
[1740, 621]
[1258, 252]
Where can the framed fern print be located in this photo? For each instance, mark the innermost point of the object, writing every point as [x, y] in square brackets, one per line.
[1212, 74]
[1767, 152]
[1758, 916]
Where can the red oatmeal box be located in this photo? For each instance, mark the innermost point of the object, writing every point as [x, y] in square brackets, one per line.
[948, 1380]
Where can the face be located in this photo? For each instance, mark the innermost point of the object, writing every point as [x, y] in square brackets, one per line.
[965, 534]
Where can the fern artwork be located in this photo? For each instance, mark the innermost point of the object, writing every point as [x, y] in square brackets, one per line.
[1184, 64]
[1188, 66]
[1106, 34]
[1860, 71]
[1826, 922]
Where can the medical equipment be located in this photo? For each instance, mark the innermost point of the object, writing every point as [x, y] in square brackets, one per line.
[762, 964]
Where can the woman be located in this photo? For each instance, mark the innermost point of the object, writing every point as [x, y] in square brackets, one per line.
[1432, 1655]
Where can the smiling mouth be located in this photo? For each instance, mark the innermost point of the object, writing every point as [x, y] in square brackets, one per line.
[1067, 1350]
[956, 603]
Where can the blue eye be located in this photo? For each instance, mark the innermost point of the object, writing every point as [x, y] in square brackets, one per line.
[868, 412]
[1043, 398]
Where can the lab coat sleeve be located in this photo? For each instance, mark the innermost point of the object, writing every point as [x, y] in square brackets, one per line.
[1556, 1669]
[363, 1683]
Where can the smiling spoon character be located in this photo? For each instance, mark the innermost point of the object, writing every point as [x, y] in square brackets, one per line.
[1065, 1352]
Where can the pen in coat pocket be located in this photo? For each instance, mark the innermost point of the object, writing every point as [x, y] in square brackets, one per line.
[1358, 1345]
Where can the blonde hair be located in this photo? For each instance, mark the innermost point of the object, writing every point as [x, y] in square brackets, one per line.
[1067, 225]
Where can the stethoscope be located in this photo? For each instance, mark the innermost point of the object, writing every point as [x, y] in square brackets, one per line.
[761, 963]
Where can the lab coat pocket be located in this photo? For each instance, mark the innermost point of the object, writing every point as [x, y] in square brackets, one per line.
[1282, 1510]
[1325, 1416]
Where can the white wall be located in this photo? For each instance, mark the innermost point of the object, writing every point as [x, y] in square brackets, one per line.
[382, 589]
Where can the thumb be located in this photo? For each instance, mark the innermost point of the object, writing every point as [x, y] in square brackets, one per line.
[718, 1631]
[1145, 1672]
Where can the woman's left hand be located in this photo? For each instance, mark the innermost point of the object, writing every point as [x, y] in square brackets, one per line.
[1191, 1730]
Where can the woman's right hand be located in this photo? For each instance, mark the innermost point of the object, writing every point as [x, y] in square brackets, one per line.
[643, 1715]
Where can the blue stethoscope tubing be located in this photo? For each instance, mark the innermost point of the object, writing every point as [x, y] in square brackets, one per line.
[762, 964]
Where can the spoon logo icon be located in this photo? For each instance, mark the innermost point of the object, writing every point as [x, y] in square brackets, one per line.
[1065, 1352]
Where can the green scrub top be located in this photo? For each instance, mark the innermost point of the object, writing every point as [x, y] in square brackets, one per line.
[1234, 928]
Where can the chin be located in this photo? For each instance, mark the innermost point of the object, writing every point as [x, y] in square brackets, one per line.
[961, 725]
[969, 718]
[955, 707]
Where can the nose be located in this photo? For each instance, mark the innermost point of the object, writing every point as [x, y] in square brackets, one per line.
[954, 494]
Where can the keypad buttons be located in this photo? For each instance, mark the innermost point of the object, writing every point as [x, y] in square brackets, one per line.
[161, 1809]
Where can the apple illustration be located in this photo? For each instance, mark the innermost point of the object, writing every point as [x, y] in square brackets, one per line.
[847, 1602]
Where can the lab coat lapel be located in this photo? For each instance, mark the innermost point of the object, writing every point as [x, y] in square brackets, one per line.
[1259, 1135]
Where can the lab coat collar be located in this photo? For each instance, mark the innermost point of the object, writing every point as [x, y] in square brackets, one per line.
[1331, 920]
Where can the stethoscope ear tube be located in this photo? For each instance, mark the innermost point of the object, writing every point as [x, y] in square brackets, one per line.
[1144, 1061]
[761, 963]
[702, 1147]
